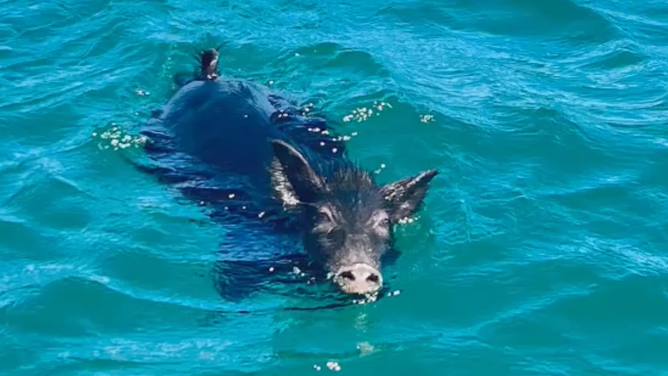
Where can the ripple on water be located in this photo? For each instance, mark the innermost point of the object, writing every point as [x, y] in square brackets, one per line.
[604, 322]
[619, 54]
[68, 302]
[570, 22]
[540, 250]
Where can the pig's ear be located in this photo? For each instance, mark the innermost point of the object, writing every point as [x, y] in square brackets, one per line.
[404, 197]
[292, 177]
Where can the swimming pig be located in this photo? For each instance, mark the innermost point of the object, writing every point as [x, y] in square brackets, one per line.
[254, 156]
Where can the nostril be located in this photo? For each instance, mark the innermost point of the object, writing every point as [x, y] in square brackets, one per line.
[348, 275]
[373, 278]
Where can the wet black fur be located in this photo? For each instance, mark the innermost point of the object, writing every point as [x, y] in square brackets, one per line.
[256, 222]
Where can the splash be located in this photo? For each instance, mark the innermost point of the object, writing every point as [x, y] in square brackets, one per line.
[363, 113]
[378, 171]
[115, 138]
[307, 108]
[365, 348]
[408, 220]
[331, 365]
[427, 118]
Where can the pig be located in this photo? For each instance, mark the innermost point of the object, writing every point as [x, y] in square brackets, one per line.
[257, 161]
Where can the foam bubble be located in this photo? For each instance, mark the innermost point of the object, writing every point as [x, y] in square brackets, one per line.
[333, 366]
[427, 118]
[117, 138]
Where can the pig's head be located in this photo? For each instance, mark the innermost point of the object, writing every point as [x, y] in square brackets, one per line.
[347, 220]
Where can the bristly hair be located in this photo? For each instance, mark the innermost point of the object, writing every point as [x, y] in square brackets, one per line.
[349, 180]
[346, 174]
[208, 60]
[326, 153]
[351, 186]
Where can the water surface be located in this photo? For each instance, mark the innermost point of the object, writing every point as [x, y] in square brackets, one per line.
[541, 249]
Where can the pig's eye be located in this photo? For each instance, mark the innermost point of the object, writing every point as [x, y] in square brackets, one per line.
[382, 221]
[324, 216]
[383, 224]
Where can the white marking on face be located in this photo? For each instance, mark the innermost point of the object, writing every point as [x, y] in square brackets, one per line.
[380, 221]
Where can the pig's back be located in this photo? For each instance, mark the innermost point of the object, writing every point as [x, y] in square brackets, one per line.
[224, 123]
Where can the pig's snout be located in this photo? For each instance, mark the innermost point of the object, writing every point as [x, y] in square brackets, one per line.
[359, 279]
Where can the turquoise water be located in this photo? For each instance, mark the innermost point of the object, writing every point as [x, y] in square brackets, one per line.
[541, 249]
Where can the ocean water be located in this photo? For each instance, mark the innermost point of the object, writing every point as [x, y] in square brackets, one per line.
[541, 250]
